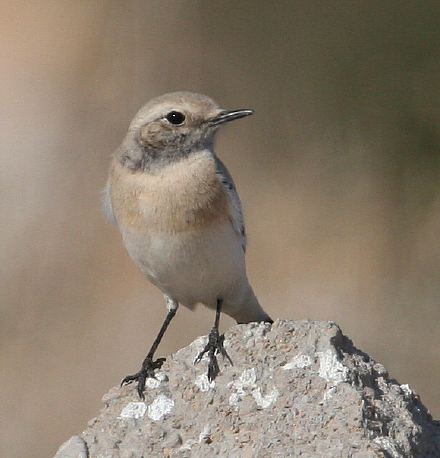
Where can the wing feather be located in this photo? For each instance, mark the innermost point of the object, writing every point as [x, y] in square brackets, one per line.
[236, 209]
[106, 203]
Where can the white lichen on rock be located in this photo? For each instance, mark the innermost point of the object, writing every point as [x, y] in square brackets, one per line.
[160, 407]
[299, 362]
[134, 410]
[331, 368]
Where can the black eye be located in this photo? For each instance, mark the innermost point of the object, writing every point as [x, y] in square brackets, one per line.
[175, 117]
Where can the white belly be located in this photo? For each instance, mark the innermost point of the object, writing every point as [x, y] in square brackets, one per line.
[192, 267]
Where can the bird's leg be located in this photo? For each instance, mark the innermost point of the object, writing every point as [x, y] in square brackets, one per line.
[214, 346]
[149, 366]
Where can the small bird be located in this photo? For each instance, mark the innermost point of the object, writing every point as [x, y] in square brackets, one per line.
[180, 216]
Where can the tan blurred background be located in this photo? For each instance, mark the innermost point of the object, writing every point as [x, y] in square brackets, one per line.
[338, 171]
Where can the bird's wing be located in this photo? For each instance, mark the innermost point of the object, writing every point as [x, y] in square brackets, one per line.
[106, 203]
[236, 210]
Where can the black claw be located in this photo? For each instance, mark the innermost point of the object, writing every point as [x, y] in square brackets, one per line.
[222, 349]
[147, 371]
[130, 378]
[214, 346]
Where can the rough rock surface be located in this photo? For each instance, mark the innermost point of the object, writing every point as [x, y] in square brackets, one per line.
[296, 389]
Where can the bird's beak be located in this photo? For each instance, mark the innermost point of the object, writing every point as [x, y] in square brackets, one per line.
[226, 116]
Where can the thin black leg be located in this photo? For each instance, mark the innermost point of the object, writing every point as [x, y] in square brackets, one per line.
[214, 346]
[149, 366]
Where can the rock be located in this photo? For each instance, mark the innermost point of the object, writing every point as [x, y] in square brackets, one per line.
[75, 447]
[295, 389]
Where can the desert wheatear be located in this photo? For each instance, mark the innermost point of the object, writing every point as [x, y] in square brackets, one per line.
[180, 216]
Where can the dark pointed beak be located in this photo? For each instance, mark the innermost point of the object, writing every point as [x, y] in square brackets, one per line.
[226, 116]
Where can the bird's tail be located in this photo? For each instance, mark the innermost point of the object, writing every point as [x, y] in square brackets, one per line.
[249, 310]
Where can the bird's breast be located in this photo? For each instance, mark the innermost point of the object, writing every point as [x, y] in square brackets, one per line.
[181, 196]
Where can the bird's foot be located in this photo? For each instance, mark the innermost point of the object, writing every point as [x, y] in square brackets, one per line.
[147, 371]
[214, 346]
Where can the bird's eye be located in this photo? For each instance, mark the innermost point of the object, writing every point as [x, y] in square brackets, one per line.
[175, 117]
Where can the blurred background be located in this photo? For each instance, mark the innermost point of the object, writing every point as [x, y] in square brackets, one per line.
[338, 171]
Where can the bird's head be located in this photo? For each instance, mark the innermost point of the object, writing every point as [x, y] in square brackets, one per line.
[171, 127]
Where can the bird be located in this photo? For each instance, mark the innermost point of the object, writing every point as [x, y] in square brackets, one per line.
[180, 217]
